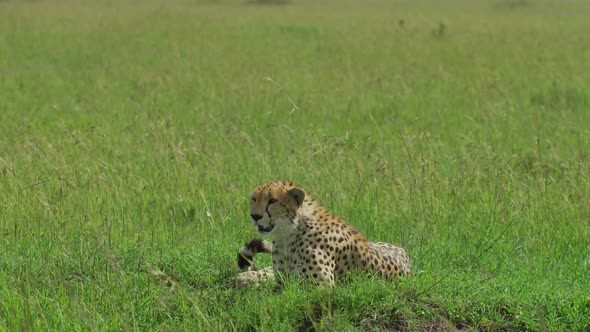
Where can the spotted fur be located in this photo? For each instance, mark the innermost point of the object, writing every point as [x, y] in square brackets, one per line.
[311, 242]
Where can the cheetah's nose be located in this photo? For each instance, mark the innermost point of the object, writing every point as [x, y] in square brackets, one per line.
[255, 217]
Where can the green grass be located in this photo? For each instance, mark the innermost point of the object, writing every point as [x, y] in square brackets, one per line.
[131, 134]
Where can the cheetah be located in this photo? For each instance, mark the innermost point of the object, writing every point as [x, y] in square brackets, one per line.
[310, 242]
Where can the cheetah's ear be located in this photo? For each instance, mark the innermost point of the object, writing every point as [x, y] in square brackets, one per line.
[297, 194]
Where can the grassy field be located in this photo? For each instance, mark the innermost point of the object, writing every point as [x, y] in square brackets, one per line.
[132, 133]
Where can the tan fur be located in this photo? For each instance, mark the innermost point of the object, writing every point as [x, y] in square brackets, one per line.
[311, 242]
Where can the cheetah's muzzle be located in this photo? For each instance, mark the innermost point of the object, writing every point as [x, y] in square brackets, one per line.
[263, 230]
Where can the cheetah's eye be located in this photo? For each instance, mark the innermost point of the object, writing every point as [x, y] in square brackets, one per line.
[253, 200]
[272, 201]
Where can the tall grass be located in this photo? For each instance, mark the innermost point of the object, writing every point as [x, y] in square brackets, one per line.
[132, 134]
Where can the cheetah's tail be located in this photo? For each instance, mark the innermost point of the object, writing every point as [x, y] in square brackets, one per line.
[248, 251]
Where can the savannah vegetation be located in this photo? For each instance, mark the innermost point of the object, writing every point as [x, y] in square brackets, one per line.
[132, 132]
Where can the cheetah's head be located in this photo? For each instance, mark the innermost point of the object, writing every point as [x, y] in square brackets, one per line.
[274, 206]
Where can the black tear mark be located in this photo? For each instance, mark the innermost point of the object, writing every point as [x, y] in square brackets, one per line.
[267, 206]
